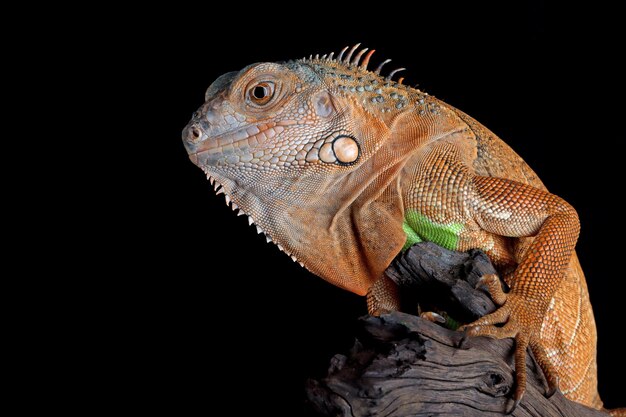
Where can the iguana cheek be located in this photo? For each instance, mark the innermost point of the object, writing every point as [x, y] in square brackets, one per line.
[346, 149]
[342, 149]
[327, 154]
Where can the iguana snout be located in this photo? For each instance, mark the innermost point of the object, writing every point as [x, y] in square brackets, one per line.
[218, 134]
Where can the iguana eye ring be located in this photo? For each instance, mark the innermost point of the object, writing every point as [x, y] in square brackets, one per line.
[261, 93]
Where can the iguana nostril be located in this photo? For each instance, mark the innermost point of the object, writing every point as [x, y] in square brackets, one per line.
[195, 133]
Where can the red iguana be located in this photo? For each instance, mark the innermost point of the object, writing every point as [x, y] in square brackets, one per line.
[343, 168]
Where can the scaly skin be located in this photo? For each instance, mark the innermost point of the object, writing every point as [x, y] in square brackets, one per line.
[342, 168]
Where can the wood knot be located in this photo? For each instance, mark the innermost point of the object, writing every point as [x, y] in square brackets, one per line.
[496, 384]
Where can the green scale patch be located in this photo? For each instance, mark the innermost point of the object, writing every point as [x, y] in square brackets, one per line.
[419, 228]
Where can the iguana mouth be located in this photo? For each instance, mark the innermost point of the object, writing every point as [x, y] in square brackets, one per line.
[247, 137]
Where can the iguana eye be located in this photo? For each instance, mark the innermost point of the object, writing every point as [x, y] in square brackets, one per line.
[261, 93]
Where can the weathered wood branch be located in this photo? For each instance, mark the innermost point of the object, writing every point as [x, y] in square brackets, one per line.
[403, 365]
[442, 280]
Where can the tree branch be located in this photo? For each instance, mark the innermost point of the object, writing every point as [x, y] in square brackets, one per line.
[403, 365]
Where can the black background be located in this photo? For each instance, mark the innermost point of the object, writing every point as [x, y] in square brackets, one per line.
[209, 301]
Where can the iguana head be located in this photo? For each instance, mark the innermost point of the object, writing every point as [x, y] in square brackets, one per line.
[305, 149]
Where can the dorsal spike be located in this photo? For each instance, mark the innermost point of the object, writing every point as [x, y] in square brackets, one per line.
[317, 56]
[358, 56]
[330, 56]
[347, 60]
[324, 56]
[343, 51]
[400, 80]
[382, 64]
[366, 60]
[392, 73]
[311, 57]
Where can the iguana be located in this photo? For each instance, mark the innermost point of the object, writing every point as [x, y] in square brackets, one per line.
[343, 168]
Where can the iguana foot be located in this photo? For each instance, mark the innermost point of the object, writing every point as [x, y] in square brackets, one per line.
[434, 317]
[494, 287]
[519, 323]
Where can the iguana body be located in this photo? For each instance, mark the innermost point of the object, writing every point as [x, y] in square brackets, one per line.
[342, 168]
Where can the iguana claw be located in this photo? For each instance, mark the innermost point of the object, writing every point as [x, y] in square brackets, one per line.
[432, 316]
[514, 406]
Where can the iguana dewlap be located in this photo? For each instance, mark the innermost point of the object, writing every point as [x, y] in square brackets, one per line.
[342, 168]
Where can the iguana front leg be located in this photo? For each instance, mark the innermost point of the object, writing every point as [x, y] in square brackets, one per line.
[509, 208]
